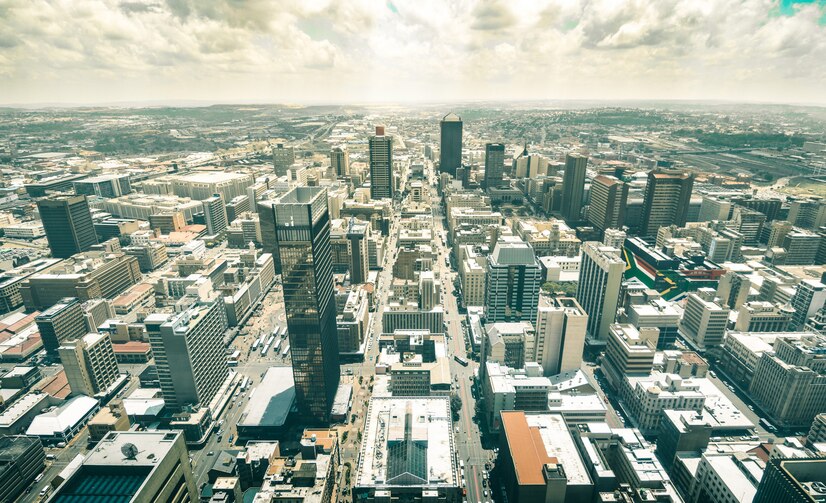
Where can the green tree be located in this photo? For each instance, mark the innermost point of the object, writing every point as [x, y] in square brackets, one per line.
[567, 288]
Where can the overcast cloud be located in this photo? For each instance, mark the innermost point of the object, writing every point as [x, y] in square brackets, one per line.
[93, 51]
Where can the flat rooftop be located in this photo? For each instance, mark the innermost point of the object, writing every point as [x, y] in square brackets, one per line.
[271, 401]
[408, 442]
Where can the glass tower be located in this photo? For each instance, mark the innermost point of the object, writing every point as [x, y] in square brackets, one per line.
[302, 228]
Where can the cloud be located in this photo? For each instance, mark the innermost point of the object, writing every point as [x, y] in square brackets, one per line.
[325, 50]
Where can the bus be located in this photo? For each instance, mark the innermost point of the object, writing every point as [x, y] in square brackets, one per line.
[285, 351]
[245, 383]
[277, 346]
[461, 361]
[232, 360]
[265, 349]
[255, 345]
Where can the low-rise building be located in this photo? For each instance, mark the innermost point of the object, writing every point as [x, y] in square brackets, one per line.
[407, 452]
[508, 388]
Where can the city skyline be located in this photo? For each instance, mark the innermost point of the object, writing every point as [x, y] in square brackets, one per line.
[107, 52]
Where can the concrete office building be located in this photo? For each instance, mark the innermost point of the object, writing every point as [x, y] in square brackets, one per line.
[600, 278]
[573, 187]
[90, 364]
[608, 198]
[789, 382]
[381, 165]
[507, 388]
[666, 201]
[133, 466]
[21, 460]
[514, 278]
[450, 152]
[68, 225]
[407, 452]
[200, 185]
[540, 460]
[808, 213]
[561, 326]
[340, 160]
[167, 222]
[726, 478]
[86, 276]
[237, 206]
[282, 158]
[629, 352]
[793, 481]
[507, 344]
[808, 299]
[494, 165]
[759, 316]
[63, 321]
[704, 321]
[189, 354]
[302, 225]
[105, 186]
[215, 214]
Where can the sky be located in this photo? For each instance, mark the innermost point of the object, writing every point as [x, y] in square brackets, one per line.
[359, 51]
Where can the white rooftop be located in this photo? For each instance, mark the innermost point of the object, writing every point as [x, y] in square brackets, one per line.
[559, 444]
[271, 401]
[425, 423]
[62, 418]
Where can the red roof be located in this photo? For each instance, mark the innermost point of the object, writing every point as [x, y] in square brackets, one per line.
[526, 448]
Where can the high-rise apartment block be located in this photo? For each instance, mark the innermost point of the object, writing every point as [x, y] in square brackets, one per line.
[514, 278]
[609, 196]
[302, 226]
[450, 153]
[68, 225]
[90, 364]
[189, 354]
[215, 214]
[573, 187]
[666, 201]
[600, 278]
[381, 164]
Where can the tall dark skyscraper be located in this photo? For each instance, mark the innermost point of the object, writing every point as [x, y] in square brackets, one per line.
[609, 197]
[68, 225]
[667, 196]
[450, 155]
[573, 186]
[494, 165]
[381, 165]
[302, 228]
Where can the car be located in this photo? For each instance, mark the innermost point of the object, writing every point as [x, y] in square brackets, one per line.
[712, 374]
[211, 453]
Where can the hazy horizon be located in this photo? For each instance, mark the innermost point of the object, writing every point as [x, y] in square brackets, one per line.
[103, 52]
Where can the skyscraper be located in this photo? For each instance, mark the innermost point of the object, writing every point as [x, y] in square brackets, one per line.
[598, 290]
[513, 281]
[450, 155]
[667, 196]
[609, 197]
[381, 165]
[215, 214]
[282, 158]
[302, 227]
[189, 353]
[573, 186]
[340, 161]
[494, 165]
[809, 297]
[68, 225]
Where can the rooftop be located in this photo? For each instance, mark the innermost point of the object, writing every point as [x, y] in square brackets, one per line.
[408, 441]
[271, 401]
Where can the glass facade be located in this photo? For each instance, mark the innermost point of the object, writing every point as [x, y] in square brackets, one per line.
[302, 226]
